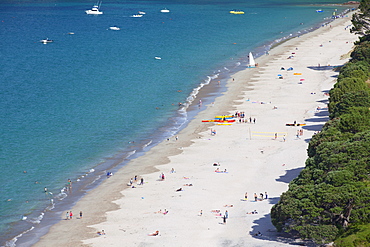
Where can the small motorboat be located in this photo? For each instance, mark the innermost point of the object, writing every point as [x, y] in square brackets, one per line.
[138, 15]
[46, 41]
[141, 13]
[158, 58]
[319, 10]
[94, 10]
[115, 28]
[165, 10]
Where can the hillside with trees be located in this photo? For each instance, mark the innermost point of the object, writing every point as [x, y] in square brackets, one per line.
[330, 199]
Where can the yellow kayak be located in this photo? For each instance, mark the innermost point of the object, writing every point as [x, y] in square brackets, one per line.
[225, 116]
[237, 12]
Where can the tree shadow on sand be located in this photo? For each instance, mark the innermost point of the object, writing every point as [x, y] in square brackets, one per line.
[318, 119]
[289, 175]
[268, 232]
[324, 101]
[324, 68]
[322, 113]
[320, 116]
[326, 91]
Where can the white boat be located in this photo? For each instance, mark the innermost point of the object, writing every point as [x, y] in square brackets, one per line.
[142, 13]
[137, 16]
[158, 58]
[114, 28]
[95, 10]
[165, 10]
[45, 41]
[319, 11]
[251, 63]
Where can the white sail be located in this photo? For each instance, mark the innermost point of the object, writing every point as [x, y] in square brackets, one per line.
[251, 63]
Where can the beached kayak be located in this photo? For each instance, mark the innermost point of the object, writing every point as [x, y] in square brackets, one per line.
[292, 124]
[219, 121]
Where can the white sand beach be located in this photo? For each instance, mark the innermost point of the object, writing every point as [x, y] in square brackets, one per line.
[255, 161]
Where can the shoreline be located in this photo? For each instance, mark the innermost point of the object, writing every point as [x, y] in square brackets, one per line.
[110, 190]
[119, 160]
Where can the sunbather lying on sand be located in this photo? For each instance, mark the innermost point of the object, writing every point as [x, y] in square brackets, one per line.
[156, 233]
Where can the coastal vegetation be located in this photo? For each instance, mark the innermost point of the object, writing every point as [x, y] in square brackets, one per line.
[330, 199]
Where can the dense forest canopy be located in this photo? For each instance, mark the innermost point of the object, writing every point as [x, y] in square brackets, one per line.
[361, 21]
[330, 199]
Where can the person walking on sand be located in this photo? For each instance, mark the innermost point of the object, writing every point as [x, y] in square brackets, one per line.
[67, 216]
[80, 214]
[70, 215]
[246, 196]
[255, 196]
[226, 214]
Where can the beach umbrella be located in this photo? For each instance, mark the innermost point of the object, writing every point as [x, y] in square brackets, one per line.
[279, 75]
[301, 80]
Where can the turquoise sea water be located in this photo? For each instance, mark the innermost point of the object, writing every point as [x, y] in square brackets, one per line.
[77, 107]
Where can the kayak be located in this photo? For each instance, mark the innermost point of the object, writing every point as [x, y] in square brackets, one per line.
[219, 121]
[219, 118]
[292, 124]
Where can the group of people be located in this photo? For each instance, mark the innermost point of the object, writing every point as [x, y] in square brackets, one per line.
[69, 215]
[261, 197]
[219, 171]
[162, 212]
[299, 133]
[241, 118]
[135, 180]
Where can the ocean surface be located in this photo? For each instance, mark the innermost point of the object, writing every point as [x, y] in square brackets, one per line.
[94, 98]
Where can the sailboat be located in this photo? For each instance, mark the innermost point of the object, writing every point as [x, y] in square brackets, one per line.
[252, 63]
[94, 10]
